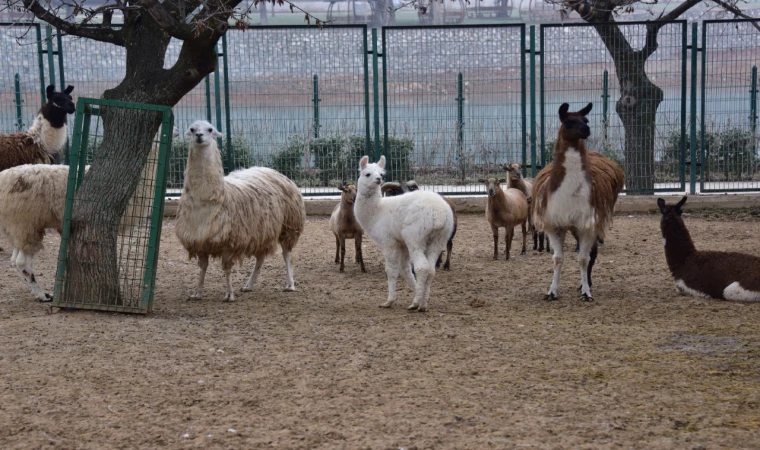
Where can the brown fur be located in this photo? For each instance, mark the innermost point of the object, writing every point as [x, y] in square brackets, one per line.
[506, 208]
[19, 149]
[344, 225]
[709, 272]
[606, 177]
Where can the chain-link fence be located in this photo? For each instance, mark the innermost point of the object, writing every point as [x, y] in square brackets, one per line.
[446, 104]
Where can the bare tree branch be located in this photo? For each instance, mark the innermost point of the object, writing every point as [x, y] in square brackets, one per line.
[736, 11]
[102, 34]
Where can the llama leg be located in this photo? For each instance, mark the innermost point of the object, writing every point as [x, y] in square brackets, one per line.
[548, 247]
[13, 258]
[337, 249]
[540, 241]
[591, 261]
[558, 237]
[525, 237]
[203, 264]
[251, 283]
[405, 268]
[342, 252]
[535, 240]
[585, 243]
[426, 293]
[227, 264]
[495, 231]
[25, 266]
[392, 269]
[449, 246]
[359, 256]
[290, 284]
[509, 235]
[425, 272]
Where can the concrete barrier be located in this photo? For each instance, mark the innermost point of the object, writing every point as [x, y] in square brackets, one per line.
[625, 205]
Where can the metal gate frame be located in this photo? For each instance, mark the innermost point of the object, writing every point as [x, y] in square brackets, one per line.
[384, 55]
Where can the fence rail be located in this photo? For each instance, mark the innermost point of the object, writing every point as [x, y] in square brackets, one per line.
[446, 104]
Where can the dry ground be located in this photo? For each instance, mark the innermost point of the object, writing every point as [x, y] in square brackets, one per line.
[325, 368]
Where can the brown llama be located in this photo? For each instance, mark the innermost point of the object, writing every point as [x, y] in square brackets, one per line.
[505, 208]
[525, 185]
[344, 225]
[723, 275]
[577, 193]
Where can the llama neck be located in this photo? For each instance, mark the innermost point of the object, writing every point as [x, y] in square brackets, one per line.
[204, 176]
[569, 158]
[499, 199]
[50, 136]
[677, 241]
[366, 206]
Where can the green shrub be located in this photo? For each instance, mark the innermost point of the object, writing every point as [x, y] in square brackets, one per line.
[288, 160]
[242, 157]
[729, 153]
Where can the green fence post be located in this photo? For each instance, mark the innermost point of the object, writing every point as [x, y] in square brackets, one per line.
[376, 97]
[605, 105]
[208, 98]
[316, 101]
[218, 106]
[227, 106]
[43, 96]
[752, 101]
[684, 88]
[19, 109]
[366, 92]
[51, 59]
[523, 112]
[693, 121]
[533, 154]
[61, 76]
[460, 115]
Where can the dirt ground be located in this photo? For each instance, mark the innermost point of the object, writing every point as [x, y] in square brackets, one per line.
[325, 368]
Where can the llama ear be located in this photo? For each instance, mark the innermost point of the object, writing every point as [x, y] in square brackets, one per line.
[215, 133]
[381, 163]
[363, 162]
[661, 204]
[586, 110]
[680, 204]
[68, 90]
[563, 111]
[50, 90]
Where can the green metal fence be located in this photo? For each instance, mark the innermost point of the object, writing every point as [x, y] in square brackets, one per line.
[454, 103]
[446, 104]
[728, 135]
[130, 242]
[578, 67]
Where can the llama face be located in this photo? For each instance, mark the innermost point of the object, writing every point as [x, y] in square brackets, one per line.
[348, 193]
[513, 171]
[574, 125]
[371, 175]
[202, 132]
[61, 100]
[492, 184]
[671, 214]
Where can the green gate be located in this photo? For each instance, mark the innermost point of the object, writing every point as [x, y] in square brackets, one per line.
[134, 249]
[728, 135]
[576, 67]
[454, 104]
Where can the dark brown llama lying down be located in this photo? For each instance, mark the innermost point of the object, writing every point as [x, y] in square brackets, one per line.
[722, 275]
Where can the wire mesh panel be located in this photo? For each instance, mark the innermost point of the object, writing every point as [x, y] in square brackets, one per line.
[298, 102]
[728, 133]
[22, 89]
[109, 248]
[454, 104]
[637, 86]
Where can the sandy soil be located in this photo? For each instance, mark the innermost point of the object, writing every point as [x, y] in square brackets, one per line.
[325, 368]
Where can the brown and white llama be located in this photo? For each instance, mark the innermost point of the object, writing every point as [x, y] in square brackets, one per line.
[505, 208]
[722, 275]
[576, 192]
[344, 225]
[515, 180]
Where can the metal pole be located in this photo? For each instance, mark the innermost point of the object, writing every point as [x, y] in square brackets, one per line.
[460, 115]
[61, 75]
[367, 137]
[51, 59]
[43, 96]
[218, 106]
[316, 101]
[19, 109]
[523, 108]
[227, 107]
[376, 95]
[684, 88]
[605, 106]
[533, 155]
[693, 122]
[208, 98]
[753, 101]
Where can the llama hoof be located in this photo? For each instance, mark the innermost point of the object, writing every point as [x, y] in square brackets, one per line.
[586, 298]
[340, 270]
[289, 289]
[422, 310]
[385, 305]
[246, 288]
[195, 296]
[550, 297]
[413, 307]
[229, 297]
[48, 298]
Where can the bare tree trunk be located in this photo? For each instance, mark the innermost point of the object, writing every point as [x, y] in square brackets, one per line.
[128, 135]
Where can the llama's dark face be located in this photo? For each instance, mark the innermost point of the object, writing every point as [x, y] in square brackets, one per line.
[392, 189]
[348, 193]
[574, 124]
[671, 214]
[61, 100]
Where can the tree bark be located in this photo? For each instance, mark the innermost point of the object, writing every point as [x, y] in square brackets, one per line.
[128, 134]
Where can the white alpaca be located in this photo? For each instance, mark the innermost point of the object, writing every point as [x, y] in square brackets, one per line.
[411, 229]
